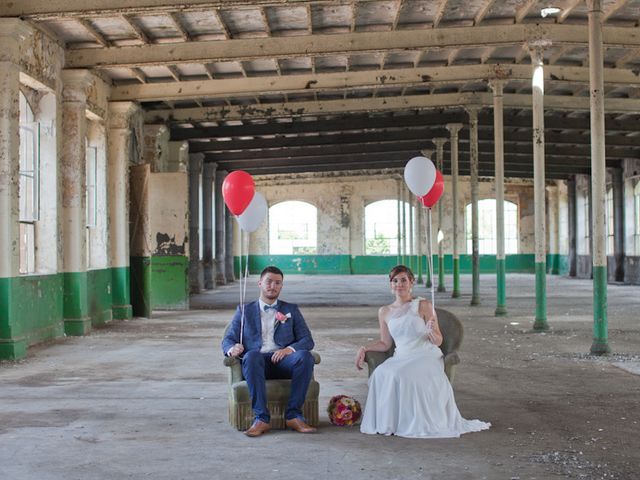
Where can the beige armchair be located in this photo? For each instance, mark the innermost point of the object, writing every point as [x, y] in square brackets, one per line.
[452, 333]
[240, 413]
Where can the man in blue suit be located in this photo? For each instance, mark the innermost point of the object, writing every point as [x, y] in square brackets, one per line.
[276, 343]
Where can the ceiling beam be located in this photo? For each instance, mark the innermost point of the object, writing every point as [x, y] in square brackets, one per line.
[406, 77]
[335, 44]
[418, 102]
[413, 125]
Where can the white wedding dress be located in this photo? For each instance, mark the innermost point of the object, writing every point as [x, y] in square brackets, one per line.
[409, 394]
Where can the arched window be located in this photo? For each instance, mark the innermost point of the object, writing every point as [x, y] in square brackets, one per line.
[293, 228]
[381, 227]
[487, 227]
[29, 184]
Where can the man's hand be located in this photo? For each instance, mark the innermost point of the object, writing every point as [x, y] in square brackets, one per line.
[236, 350]
[280, 354]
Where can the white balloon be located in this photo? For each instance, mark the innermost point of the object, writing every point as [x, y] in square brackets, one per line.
[420, 175]
[254, 214]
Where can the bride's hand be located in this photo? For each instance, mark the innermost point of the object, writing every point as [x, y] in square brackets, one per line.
[360, 358]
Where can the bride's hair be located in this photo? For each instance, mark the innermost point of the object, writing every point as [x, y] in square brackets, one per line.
[398, 269]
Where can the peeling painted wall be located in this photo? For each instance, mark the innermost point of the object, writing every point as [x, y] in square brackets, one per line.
[169, 217]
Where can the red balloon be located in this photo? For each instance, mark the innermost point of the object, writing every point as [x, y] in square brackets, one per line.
[237, 190]
[433, 195]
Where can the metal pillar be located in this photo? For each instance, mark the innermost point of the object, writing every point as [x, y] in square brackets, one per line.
[572, 214]
[540, 323]
[618, 224]
[600, 344]
[228, 247]
[498, 142]
[208, 269]
[454, 129]
[439, 142]
[475, 240]
[220, 227]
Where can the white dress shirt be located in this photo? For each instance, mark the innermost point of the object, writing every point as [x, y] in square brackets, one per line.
[268, 320]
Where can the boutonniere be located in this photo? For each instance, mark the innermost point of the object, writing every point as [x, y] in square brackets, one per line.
[281, 317]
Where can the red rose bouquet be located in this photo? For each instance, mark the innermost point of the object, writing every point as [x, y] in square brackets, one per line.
[344, 410]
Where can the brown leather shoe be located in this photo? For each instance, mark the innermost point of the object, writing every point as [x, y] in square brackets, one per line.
[258, 428]
[299, 426]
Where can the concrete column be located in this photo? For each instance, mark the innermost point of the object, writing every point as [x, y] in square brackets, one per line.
[228, 247]
[454, 129]
[600, 344]
[208, 268]
[498, 143]
[195, 185]
[73, 176]
[475, 240]
[618, 223]
[119, 146]
[540, 323]
[221, 278]
[140, 239]
[12, 33]
[439, 142]
[572, 227]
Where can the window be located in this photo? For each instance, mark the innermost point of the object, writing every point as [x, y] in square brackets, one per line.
[381, 227]
[609, 220]
[292, 228]
[29, 187]
[487, 227]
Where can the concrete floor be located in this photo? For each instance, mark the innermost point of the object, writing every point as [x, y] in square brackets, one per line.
[147, 398]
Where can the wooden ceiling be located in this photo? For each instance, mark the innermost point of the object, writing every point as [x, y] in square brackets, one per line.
[276, 86]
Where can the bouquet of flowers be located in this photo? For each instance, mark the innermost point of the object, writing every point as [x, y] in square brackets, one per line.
[344, 410]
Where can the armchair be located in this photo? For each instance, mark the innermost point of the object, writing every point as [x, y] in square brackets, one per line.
[452, 334]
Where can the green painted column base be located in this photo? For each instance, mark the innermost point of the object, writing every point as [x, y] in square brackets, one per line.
[12, 349]
[600, 344]
[441, 288]
[540, 324]
[122, 312]
[456, 278]
[428, 284]
[501, 311]
[599, 348]
[475, 300]
[77, 327]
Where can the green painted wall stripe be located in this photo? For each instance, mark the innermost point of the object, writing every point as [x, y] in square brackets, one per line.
[541, 297]
[170, 282]
[600, 335]
[31, 311]
[380, 264]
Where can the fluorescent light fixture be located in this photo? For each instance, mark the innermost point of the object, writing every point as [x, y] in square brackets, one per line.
[549, 11]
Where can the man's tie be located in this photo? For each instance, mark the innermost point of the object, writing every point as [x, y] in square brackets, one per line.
[267, 307]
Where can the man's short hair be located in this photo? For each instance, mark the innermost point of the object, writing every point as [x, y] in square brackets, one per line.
[271, 269]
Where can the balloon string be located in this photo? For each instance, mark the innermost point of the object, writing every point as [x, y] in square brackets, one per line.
[430, 262]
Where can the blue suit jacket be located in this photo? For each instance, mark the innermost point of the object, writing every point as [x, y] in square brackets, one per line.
[292, 333]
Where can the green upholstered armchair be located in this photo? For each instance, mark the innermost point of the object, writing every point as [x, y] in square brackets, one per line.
[240, 413]
[452, 333]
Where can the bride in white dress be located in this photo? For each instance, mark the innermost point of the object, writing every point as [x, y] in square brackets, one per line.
[409, 394]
